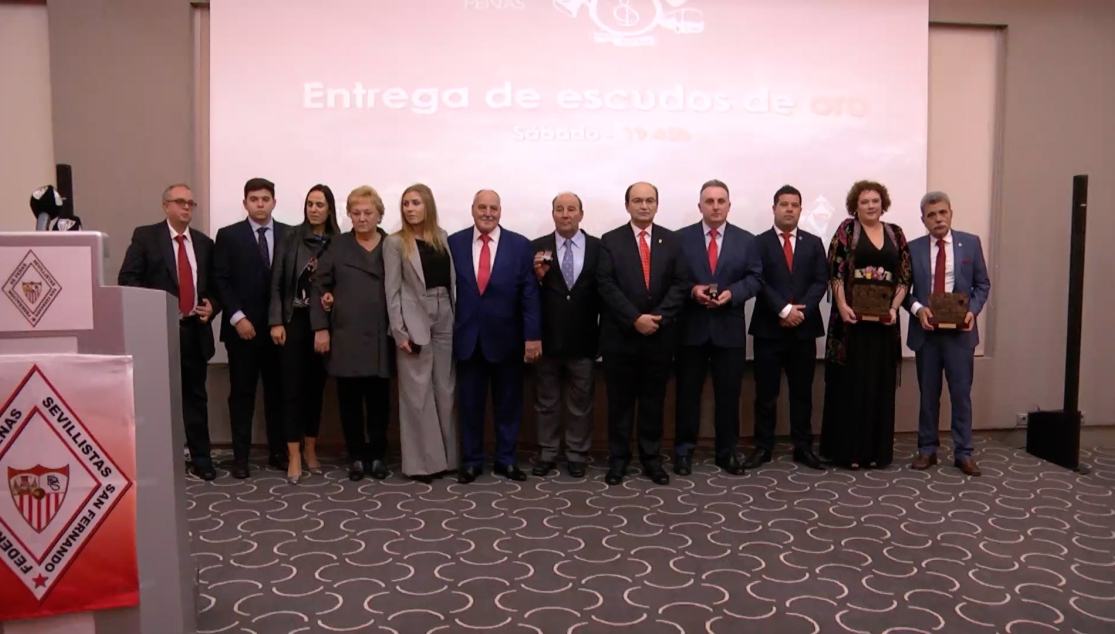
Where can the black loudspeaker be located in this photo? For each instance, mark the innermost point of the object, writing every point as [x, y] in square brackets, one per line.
[64, 176]
[1055, 435]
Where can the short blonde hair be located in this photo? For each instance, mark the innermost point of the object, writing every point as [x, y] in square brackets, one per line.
[365, 191]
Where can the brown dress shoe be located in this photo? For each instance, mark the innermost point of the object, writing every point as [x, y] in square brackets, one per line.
[968, 466]
[924, 461]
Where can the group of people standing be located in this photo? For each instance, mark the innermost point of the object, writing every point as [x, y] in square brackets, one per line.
[458, 317]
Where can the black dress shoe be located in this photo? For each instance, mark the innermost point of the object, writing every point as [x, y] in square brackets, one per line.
[280, 462]
[616, 473]
[204, 471]
[683, 465]
[808, 458]
[356, 471]
[576, 469]
[730, 464]
[509, 471]
[543, 469]
[656, 473]
[756, 458]
[240, 469]
[378, 470]
[424, 478]
[467, 475]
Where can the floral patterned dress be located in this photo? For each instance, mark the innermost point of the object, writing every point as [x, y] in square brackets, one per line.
[861, 359]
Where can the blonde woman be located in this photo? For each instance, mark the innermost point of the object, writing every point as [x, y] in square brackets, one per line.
[354, 332]
[420, 282]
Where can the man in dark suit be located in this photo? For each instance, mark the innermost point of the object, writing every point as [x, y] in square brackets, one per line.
[497, 327]
[945, 261]
[242, 262]
[565, 264]
[785, 325]
[643, 282]
[172, 257]
[726, 272]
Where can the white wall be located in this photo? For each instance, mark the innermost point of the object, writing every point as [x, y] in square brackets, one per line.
[26, 131]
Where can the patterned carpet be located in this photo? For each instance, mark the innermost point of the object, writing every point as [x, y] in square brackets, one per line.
[1026, 548]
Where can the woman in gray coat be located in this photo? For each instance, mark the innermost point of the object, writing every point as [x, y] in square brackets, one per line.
[354, 332]
[420, 286]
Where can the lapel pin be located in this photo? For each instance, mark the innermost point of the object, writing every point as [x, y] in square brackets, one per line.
[660, 241]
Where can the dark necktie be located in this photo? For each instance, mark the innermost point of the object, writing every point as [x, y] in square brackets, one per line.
[264, 251]
[939, 269]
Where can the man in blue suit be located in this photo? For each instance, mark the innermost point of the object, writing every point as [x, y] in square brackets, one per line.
[785, 325]
[945, 261]
[726, 271]
[242, 261]
[498, 327]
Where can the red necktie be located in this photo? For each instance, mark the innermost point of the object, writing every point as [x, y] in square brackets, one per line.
[939, 269]
[185, 279]
[713, 251]
[644, 256]
[485, 269]
[788, 250]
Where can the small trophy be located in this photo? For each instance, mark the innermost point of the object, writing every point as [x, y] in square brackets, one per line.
[713, 291]
[547, 257]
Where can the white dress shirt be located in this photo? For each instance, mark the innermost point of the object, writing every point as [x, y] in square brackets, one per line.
[793, 249]
[950, 275]
[577, 243]
[478, 244]
[269, 236]
[189, 244]
[638, 231]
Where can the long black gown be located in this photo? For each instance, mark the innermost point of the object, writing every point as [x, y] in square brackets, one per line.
[858, 422]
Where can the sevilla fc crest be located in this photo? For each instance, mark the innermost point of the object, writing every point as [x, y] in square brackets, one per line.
[38, 493]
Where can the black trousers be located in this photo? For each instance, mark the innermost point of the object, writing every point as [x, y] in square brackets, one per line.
[798, 359]
[248, 361]
[637, 379]
[303, 379]
[365, 436]
[195, 398]
[727, 376]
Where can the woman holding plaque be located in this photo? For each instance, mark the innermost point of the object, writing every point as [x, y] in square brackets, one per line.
[869, 264]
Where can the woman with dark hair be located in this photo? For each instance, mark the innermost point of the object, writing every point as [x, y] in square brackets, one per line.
[862, 356]
[303, 371]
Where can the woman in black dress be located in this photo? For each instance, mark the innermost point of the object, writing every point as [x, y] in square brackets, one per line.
[862, 357]
[292, 278]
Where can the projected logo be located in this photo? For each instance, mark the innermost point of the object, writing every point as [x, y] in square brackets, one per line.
[630, 22]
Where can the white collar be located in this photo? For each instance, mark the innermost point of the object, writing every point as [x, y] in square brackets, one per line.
[174, 234]
[793, 233]
[493, 234]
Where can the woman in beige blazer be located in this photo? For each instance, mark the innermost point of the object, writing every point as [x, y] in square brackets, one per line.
[419, 280]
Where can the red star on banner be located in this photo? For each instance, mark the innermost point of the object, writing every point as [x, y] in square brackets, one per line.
[40, 581]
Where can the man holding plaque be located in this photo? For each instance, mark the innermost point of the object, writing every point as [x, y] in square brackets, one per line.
[950, 288]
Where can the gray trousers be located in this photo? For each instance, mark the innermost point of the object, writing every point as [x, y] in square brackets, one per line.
[427, 385]
[574, 380]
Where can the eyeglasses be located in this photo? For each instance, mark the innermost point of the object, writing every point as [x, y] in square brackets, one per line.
[182, 202]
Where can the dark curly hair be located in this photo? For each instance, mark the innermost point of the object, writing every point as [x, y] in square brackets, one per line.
[852, 202]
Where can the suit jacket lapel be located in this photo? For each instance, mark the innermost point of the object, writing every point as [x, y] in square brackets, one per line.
[549, 243]
[591, 254]
[799, 263]
[415, 260]
[202, 273]
[657, 258]
[169, 251]
[704, 248]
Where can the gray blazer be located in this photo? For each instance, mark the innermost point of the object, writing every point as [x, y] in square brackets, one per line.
[360, 341]
[406, 292]
[291, 257]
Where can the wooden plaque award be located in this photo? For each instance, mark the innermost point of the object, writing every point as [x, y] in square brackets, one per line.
[949, 310]
[871, 302]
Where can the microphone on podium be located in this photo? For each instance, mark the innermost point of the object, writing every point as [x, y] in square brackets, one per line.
[46, 205]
